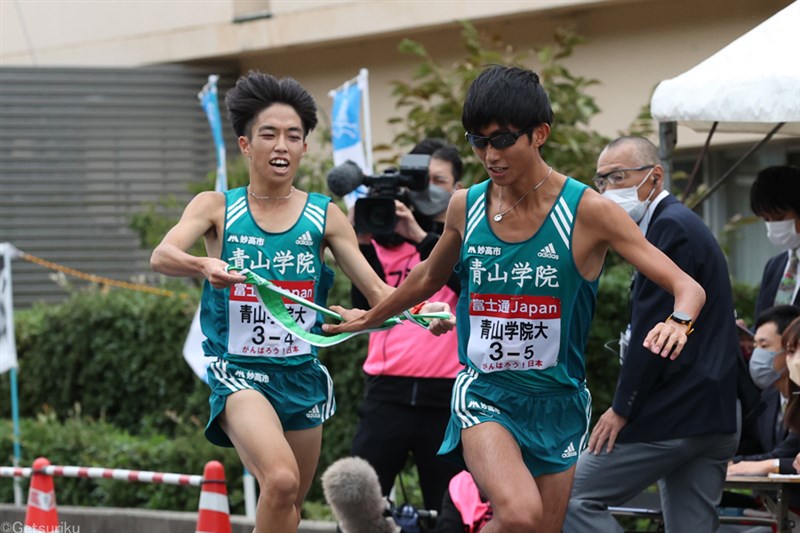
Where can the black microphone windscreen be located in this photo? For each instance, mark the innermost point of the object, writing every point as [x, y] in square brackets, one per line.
[352, 490]
[344, 178]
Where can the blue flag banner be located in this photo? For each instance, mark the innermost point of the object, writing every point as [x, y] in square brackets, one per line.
[193, 347]
[210, 103]
[350, 113]
[347, 121]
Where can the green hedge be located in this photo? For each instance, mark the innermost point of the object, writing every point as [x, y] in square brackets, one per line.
[114, 355]
[610, 317]
[83, 442]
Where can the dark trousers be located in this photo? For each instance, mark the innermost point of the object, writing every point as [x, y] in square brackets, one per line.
[388, 432]
[690, 472]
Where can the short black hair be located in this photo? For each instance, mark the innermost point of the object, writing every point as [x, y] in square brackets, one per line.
[254, 92]
[428, 145]
[781, 315]
[507, 96]
[775, 191]
[450, 154]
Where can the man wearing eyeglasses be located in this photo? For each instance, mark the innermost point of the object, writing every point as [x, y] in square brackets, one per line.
[529, 245]
[671, 422]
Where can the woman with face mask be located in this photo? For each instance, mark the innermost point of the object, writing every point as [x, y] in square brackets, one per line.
[790, 341]
[775, 197]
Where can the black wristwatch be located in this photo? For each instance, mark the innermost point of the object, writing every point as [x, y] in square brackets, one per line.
[681, 318]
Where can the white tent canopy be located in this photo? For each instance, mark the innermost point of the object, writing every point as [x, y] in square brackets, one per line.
[749, 86]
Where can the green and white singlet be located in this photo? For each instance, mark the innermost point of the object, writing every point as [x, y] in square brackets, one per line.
[237, 326]
[525, 312]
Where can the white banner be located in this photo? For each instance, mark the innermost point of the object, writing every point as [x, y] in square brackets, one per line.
[193, 347]
[8, 345]
[349, 143]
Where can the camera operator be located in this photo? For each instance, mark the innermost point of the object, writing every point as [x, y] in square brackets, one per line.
[409, 372]
[444, 171]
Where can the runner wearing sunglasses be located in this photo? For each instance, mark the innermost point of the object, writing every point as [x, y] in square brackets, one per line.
[529, 244]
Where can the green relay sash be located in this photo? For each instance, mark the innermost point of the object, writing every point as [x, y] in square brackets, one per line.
[272, 297]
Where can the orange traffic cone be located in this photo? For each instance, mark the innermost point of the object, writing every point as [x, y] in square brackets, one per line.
[214, 514]
[41, 515]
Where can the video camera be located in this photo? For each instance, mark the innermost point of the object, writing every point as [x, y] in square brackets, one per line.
[375, 214]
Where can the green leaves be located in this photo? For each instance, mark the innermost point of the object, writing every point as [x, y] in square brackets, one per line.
[407, 46]
[86, 442]
[431, 102]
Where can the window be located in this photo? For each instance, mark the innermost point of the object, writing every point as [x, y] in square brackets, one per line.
[247, 10]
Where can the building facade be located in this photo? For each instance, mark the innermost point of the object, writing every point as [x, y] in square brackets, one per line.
[631, 45]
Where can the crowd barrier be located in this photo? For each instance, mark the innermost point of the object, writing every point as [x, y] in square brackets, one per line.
[41, 515]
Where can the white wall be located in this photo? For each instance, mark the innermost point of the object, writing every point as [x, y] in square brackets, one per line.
[632, 45]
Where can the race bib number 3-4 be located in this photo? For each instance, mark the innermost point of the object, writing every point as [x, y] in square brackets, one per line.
[254, 332]
[514, 332]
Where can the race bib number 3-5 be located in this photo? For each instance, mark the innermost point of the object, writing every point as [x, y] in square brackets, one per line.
[514, 332]
[254, 332]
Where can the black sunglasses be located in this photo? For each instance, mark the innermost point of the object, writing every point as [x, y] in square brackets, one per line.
[499, 141]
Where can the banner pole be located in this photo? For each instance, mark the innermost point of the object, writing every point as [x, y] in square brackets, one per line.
[12, 374]
[363, 76]
[250, 500]
[8, 352]
[209, 101]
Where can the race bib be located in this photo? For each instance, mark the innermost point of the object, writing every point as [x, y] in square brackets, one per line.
[254, 332]
[514, 332]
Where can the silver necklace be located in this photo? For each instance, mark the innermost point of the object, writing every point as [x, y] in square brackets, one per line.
[499, 216]
[257, 197]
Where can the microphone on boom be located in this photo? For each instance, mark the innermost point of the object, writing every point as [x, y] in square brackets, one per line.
[352, 490]
[345, 178]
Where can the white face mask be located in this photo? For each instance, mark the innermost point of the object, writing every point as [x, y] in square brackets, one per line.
[761, 369]
[783, 234]
[628, 199]
[793, 364]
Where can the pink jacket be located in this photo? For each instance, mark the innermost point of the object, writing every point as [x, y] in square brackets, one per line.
[408, 350]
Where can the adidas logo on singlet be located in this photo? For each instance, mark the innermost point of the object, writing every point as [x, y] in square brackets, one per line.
[314, 412]
[548, 252]
[304, 239]
[569, 452]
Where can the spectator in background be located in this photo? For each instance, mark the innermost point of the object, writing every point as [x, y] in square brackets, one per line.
[409, 372]
[775, 197]
[465, 509]
[790, 341]
[769, 328]
[767, 431]
[446, 168]
[671, 422]
[785, 457]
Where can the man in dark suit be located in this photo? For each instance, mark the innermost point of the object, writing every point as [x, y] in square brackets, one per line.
[775, 197]
[671, 422]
